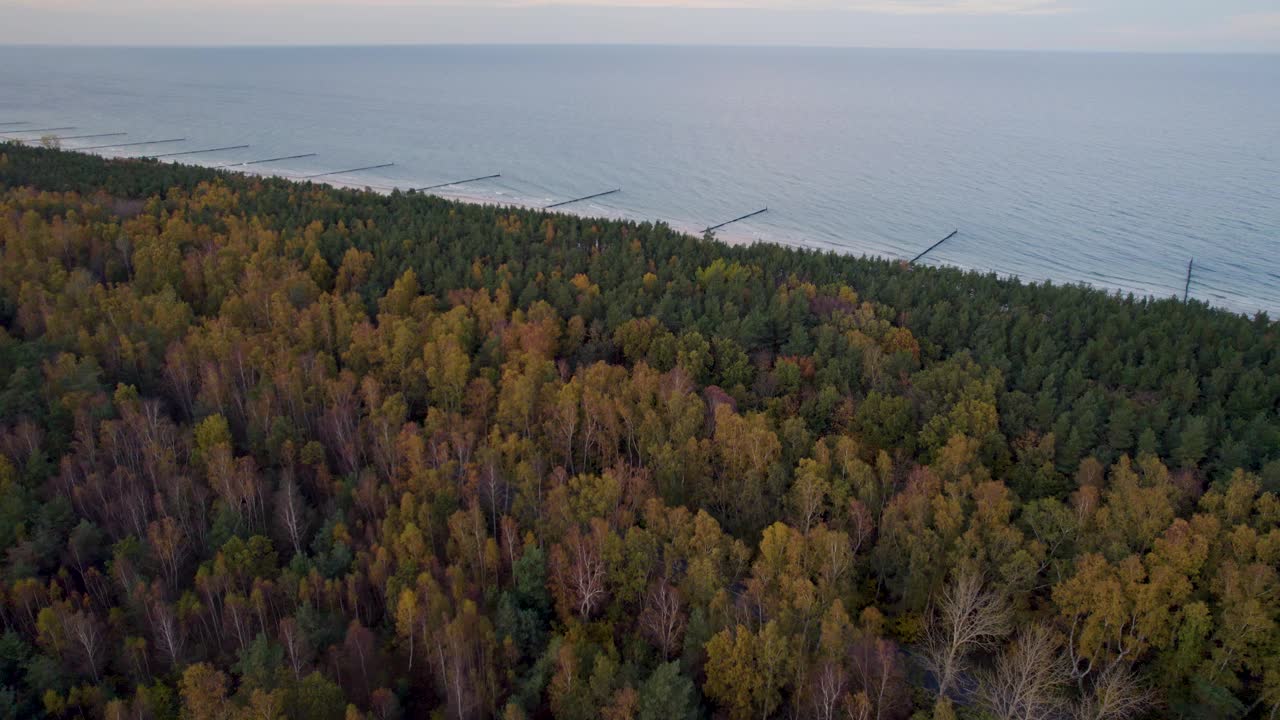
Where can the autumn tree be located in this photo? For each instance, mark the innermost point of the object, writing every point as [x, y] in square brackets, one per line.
[748, 671]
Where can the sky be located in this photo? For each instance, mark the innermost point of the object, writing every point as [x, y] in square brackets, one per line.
[1124, 25]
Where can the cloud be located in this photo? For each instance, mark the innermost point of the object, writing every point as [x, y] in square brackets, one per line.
[880, 7]
[1259, 25]
[964, 7]
[1245, 31]
[883, 7]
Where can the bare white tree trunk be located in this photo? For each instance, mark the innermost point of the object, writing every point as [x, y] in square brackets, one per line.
[1116, 695]
[966, 618]
[1027, 681]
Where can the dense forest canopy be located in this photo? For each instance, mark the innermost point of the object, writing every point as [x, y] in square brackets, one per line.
[277, 450]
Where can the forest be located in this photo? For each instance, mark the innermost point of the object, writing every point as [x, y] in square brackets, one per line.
[277, 450]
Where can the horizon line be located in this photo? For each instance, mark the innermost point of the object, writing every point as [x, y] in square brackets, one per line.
[726, 46]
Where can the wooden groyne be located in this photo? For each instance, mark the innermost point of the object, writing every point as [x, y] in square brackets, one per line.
[268, 160]
[456, 182]
[578, 200]
[713, 228]
[55, 129]
[198, 152]
[86, 137]
[343, 172]
[131, 144]
[934, 246]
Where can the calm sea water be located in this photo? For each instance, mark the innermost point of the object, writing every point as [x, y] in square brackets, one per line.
[1113, 170]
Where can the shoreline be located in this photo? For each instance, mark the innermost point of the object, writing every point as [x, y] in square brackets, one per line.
[478, 199]
[730, 238]
[745, 239]
[461, 197]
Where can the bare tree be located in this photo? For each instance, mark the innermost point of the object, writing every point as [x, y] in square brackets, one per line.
[1027, 679]
[169, 633]
[861, 524]
[663, 617]
[86, 631]
[1116, 695]
[876, 668]
[168, 545]
[580, 569]
[828, 688]
[966, 618]
[291, 512]
[295, 645]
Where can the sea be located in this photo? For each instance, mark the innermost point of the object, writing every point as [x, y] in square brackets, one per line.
[1114, 170]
